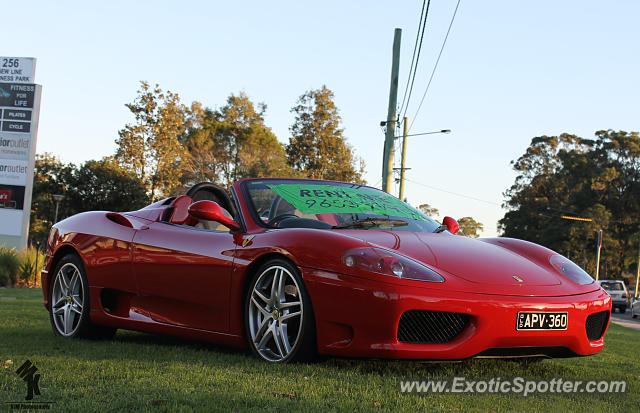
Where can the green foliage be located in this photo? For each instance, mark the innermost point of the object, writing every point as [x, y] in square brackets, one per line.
[568, 175]
[231, 143]
[9, 265]
[31, 263]
[150, 147]
[104, 185]
[429, 211]
[469, 227]
[317, 148]
[51, 176]
[171, 147]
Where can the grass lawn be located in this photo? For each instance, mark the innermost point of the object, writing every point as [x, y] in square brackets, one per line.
[142, 372]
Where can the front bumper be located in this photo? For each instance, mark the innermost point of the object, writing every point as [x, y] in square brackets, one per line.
[358, 317]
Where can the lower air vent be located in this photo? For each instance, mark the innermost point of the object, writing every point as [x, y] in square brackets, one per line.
[596, 324]
[430, 327]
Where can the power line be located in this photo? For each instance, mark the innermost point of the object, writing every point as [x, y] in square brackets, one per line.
[415, 47]
[436, 65]
[454, 193]
[414, 68]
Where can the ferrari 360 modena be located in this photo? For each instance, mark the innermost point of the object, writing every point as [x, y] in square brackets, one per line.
[293, 268]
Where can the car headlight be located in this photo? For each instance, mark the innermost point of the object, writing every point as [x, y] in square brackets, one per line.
[385, 262]
[570, 270]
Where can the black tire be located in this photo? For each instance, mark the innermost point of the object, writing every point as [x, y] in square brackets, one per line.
[302, 329]
[623, 309]
[76, 306]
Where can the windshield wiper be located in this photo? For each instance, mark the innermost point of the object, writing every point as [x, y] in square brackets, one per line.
[440, 229]
[372, 222]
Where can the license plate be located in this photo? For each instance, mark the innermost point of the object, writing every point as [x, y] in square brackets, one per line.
[537, 320]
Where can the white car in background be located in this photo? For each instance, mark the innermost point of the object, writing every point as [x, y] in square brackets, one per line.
[618, 292]
[635, 307]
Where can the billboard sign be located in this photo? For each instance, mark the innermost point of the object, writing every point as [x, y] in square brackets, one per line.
[19, 113]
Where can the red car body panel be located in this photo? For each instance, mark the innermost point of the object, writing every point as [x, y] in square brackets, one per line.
[362, 316]
[189, 282]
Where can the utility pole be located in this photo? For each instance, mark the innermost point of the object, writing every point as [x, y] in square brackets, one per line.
[387, 155]
[598, 257]
[404, 157]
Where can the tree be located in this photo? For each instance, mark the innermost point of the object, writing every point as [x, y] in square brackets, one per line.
[428, 210]
[469, 227]
[232, 143]
[204, 152]
[317, 147]
[150, 146]
[51, 176]
[255, 149]
[567, 175]
[105, 186]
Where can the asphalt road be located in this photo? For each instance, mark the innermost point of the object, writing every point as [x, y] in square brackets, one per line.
[625, 319]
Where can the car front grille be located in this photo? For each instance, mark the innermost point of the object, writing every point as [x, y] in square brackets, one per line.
[431, 327]
[596, 324]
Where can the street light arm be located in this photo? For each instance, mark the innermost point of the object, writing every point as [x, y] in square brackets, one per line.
[427, 133]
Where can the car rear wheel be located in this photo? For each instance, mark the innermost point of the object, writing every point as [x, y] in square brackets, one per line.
[279, 322]
[69, 300]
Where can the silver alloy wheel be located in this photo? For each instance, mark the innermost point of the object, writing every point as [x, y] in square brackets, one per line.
[67, 298]
[275, 313]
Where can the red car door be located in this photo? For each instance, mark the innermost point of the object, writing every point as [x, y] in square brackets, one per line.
[184, 274]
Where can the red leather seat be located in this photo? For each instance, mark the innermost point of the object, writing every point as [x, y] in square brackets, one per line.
[180, 214]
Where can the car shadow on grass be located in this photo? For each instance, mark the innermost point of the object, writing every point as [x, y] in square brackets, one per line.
[135, 337]
[157, 347]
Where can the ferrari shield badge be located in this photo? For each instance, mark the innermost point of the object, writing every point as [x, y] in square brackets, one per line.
[246, 241]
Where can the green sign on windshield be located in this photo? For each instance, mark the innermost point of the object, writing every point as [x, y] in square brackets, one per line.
[318, 199]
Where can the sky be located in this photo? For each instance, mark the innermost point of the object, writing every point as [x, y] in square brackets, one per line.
[510, 71]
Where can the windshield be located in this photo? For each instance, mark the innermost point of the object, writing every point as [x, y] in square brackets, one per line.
[612, 285]
[292, 203]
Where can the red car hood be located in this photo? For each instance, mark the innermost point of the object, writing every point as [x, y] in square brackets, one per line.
[476, 266]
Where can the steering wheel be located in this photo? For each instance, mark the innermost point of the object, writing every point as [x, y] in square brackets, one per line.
[275, 220]
[275, 204]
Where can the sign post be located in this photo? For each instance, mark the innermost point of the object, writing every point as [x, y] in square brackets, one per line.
[19, 115]
[638, 271]
[598, 254]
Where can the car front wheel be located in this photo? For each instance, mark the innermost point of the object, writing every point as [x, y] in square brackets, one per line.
[279, 322]
[69, 300]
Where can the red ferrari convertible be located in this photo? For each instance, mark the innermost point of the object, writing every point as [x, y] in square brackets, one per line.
[297, 267]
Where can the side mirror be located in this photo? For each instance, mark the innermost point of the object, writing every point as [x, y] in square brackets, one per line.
[451, 224]
[211, 211]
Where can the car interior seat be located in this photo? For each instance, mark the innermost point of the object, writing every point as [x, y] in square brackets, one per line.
[180, 214]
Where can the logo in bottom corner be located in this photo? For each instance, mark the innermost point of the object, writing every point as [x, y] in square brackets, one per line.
[27, 373]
